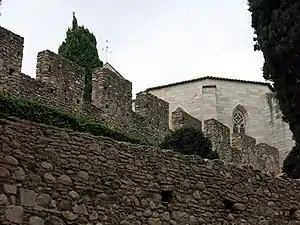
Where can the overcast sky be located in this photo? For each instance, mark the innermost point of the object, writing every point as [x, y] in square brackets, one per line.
[153, 42]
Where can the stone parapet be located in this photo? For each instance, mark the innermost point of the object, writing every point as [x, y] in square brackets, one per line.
[54, 176]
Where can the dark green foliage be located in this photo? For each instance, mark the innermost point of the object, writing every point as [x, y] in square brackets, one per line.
[36, 112]
[291, 165]
[189, 141]
[80, 47]
[277, 26]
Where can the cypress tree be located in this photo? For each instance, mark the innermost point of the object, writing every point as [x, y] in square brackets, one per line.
[80, 46]
[276, 25]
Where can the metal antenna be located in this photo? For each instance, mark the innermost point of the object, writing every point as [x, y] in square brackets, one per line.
[106, 50]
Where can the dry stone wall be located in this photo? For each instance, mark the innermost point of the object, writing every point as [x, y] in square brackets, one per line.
[60, 83]
[241, 149]
[57, 177]
[180, 118]
[233, 148]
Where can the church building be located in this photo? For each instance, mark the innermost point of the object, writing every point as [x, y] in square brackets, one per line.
[246, 107]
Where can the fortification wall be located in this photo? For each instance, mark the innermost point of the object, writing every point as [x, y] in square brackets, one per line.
[180, 118]
[242, 149]
[54, 176]
[60, 83]
[11, 55]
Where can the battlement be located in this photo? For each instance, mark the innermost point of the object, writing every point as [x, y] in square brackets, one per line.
[11, 56]
[110, 90]
[60, 83]
[242, 149]
[180, 118]
[148, 105]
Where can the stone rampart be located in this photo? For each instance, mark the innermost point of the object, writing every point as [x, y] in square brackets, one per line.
[241, 149]
[60, 83]
[55, 176]
[180, 118]
[233, 148]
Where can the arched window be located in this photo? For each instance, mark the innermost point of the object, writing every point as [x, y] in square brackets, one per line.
[239, 121]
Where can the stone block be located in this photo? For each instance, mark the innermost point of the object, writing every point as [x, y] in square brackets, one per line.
[3, 200]
[27, 197]
[43, 200]
[10, 189]
[4, 173]
[36, 221]
[14, 214]
[65, 179]
[11, 160]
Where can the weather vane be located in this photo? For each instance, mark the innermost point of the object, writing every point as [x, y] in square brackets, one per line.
[106, 50]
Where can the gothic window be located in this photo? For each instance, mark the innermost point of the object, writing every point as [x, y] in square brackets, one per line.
[239, 122]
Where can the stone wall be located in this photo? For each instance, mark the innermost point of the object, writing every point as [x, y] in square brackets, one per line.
[60, 83]
[181, 118]
[218, 98]
[243, 149]
[149, 105]
[11, 55]
[219, 134]
[63, 78]
[111, 91]
[54, 176]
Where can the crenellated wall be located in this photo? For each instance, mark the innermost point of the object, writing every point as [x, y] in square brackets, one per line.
[149, 105]
[54, 176]
[180, 118]
[111, 91]
[242, 149]
[60, 83]
[11, 55]
[63, 78]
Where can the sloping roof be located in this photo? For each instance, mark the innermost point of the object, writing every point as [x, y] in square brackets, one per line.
[210, 78]
[111, 68]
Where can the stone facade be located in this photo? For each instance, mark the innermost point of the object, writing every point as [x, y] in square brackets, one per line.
[227, 100]
[54, 176]
[60, 83]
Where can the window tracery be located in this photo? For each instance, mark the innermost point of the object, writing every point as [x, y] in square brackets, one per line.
[239, 122]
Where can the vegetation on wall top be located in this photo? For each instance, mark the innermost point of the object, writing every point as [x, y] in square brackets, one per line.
[189, 141]
[37, 112]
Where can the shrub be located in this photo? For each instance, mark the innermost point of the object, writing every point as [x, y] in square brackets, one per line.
[291, 164]
[189, 141]
[37, 112]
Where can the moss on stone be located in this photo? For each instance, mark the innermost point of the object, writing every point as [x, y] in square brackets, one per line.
[37, 112]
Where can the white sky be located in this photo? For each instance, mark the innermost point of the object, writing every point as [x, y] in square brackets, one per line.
[153, 42]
